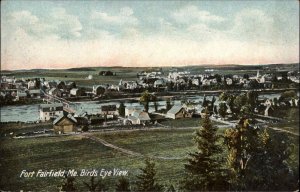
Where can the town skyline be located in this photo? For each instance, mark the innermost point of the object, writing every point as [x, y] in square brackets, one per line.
[77, 34]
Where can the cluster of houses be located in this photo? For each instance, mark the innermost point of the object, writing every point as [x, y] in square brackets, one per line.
[268, 106]
[21, 89]
[64, 122]
[176, 81]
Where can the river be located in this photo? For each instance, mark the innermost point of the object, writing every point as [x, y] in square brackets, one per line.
[27, 113]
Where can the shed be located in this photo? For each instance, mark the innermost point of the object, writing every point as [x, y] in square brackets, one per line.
[177, 112]
[65, 123]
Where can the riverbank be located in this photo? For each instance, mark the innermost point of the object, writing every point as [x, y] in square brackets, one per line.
[132, 97]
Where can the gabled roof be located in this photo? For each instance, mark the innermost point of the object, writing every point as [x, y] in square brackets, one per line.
[144, 116]
[175, 109]
[53, 89]
[61, 117]
[141, 115]
[133, 118]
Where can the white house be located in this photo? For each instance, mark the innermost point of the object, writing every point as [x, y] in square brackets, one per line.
[159, 83]
[21, 95]
[31, 84]
[130, 109]
[228, 81]
[195, 82]
[90, 77]
[48, 111]
[139, 117]
[35, 93]
[205, 82]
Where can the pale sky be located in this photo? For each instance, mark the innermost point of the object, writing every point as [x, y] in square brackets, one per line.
[67, 34]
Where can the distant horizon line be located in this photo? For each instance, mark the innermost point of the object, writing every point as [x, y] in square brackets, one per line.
[179, 66]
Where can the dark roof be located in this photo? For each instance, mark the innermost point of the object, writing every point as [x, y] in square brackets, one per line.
[109, 108]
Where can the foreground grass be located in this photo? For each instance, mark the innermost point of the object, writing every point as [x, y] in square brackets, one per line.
[73, 152]
[76, 152]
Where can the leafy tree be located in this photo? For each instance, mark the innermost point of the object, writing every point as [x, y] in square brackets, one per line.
[254, 84]
[287, 95]
[95, 186]
[123, 185]
[256, 161]
[239, 102]
[146, 98]
[246, 76]
[204, 170]
[252, 99]
[121, 109]
[239, 145]
[146, 180]
[223, 96]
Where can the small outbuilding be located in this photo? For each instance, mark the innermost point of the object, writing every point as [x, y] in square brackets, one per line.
[65, 123]
[177, 112]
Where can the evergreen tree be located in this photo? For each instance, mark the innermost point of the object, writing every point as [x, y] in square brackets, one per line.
[205, 102]
[222, 109]
[155, 104]
[146, 180]
[168, 104]
[170, 188]
[95, 186]
[121, 109]
[204, 169]
[68, 184]
[123, 185]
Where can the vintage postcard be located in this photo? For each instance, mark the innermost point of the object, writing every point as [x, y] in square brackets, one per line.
[149, 95]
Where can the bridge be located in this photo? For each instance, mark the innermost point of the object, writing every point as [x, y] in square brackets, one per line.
[54, 99]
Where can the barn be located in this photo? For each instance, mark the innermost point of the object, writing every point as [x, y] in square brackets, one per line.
[177, 112]
[65, 123]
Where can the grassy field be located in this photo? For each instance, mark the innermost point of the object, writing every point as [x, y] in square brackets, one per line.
[77, 152]
[187, 122]
[73, 152]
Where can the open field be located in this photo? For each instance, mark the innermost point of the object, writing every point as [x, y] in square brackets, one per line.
[187, 122]
[74, 152]
[77, 152]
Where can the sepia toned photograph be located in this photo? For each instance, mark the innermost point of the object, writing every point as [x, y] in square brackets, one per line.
[149, 95]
